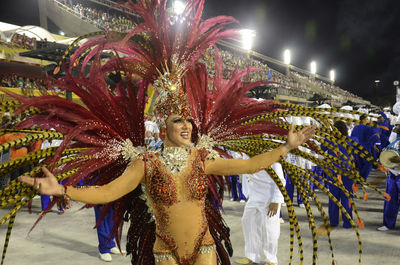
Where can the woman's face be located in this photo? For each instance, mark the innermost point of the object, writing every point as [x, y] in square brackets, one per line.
[179, 131]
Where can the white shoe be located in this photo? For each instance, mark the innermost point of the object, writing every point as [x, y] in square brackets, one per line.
[383, 228]
[301, 205]
[281, 220]
[106, 257]
[283, 204]
[242, 201]
[116, 250]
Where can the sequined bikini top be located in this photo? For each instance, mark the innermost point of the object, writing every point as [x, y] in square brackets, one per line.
[173, 170]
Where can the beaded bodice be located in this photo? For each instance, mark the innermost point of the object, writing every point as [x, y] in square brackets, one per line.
[167, 174]
[176, 191]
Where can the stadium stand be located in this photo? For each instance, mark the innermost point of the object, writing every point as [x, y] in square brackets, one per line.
[286, 84]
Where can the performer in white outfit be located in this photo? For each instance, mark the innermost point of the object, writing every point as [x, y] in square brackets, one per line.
[152, 137]
[260, 221]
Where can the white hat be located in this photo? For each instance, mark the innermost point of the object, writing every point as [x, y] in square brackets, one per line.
[347, 107]
[346, 115]
[324, 106]
[363, 110]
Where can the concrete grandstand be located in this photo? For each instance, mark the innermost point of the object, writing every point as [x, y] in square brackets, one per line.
[37, 47]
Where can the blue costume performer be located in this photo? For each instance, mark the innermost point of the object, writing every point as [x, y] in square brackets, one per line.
[368, 137]
[236, 188]
[347, 183]
[235, 182]
[385, 130]
[106, 240]
[391, 208]
[290, 190]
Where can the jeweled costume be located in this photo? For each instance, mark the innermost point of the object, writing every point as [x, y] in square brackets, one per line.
[178, 193]
[103, 137]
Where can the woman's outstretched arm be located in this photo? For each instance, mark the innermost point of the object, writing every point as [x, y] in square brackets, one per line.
[226, 167]
[112, 191]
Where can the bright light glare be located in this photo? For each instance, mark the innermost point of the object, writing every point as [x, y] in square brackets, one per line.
[332, 75]
[178, 7]
[247, 38]
[287, 56]
[313, 67]
[62, 33]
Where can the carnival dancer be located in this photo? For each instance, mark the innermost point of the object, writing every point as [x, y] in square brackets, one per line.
[104, 227]
[236, 187]
[391, 208]
[260, 220]
[385, 130]
[175, 179]
[235, 182]
[176, 211]
[368, 137]
[336, 191]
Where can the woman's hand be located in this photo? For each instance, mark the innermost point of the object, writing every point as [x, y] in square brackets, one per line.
[47, 185]
[295, 139]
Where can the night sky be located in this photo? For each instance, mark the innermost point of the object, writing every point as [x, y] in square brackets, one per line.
[360, 39]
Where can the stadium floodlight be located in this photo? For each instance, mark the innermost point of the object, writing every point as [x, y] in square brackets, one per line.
[332, 75]
[313, 67]
[287, 56]
[178, 7]
[247, 38]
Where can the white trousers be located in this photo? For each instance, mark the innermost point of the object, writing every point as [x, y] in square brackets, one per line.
[261, 233]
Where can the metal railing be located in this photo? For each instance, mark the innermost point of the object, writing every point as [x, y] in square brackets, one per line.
[72, 10]
[68, 9]
[115, 6]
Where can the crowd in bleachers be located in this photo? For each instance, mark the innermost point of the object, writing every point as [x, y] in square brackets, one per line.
[13, 80]
[20, 41]
[292, 84]
[105, 20]
[328, 88]
[287, 85]
[23, 41]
